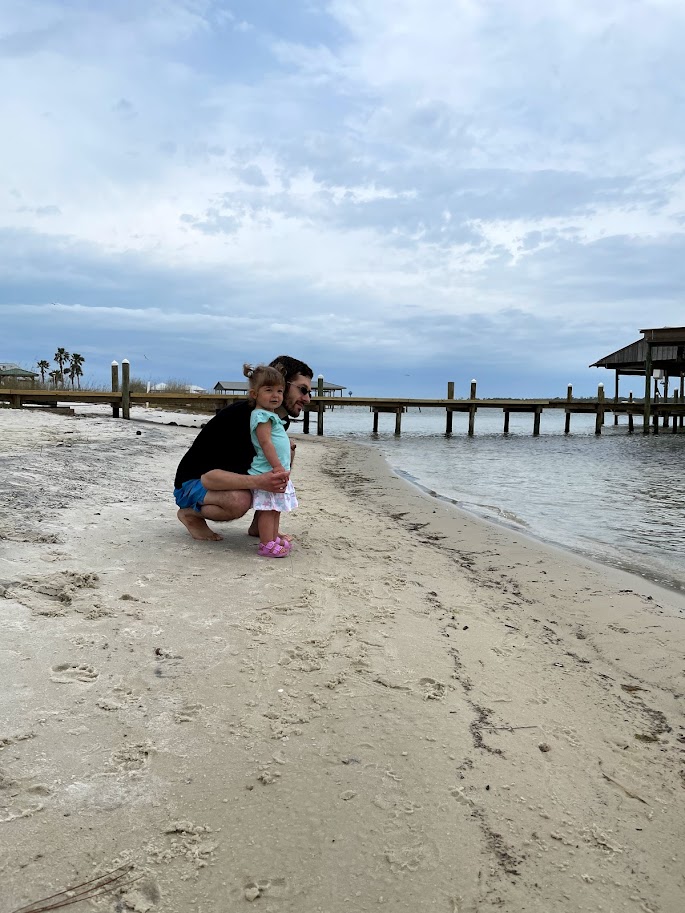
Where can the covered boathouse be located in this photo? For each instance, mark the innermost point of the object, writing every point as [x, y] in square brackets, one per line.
[9, 372]
[659, 357]
[237, 387]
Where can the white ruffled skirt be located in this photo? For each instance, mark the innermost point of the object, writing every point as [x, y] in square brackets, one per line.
[282, 501]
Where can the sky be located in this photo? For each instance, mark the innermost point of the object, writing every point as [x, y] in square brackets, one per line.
[399, 193]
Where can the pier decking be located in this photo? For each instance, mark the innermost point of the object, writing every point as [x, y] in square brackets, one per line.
[664, 414]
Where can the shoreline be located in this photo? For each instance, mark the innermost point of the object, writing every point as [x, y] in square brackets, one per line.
[418, 709]
[643, 573]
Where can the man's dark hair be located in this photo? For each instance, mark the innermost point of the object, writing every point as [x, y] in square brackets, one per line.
[289, 367]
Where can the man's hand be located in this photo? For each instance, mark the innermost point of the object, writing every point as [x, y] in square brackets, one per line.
[274, 480]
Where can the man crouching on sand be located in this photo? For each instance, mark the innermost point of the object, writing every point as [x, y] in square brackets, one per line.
[212, 481]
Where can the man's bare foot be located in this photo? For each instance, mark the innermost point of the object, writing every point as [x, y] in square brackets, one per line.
[197, 526]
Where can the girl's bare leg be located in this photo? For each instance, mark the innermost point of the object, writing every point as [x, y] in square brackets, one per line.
[268, 525]
[254, 528]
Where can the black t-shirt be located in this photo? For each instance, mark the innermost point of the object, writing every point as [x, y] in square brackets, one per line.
[224, 443]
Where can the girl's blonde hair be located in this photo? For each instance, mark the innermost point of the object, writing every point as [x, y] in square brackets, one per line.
[261, 375]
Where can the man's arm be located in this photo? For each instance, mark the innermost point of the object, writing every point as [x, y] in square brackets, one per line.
[221, 480]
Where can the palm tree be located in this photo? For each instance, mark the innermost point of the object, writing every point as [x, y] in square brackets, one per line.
[61, 357]
[43, 366]
[54, 377]
[75, 368]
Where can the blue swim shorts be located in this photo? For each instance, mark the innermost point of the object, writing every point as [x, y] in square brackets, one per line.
[190, 494]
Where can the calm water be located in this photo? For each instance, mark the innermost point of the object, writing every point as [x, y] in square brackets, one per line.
[618, 498]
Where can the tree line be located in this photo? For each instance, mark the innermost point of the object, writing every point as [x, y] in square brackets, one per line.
[68, 365]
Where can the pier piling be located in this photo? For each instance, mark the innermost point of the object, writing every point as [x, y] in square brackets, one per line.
[125, 389]
[567, 420]
[648, 387]
[448, 420]
[599, 420]
[536, 421]
[319, 417]
[472, 409]
[115, 386]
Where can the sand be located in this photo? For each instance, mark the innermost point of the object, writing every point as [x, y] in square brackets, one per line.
[415, 711]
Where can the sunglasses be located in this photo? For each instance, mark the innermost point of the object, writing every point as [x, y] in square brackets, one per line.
[305, 391]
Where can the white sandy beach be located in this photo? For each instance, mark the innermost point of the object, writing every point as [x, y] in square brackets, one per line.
[415, 711]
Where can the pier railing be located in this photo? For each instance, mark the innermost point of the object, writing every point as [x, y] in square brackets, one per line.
[664, 414]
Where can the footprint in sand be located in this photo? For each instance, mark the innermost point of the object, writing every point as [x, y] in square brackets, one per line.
[188, 713]
[300, 660]
[266, 886]
[431, 689]
[132, 757]
[53, 594]
[68, 673]
[20, 797]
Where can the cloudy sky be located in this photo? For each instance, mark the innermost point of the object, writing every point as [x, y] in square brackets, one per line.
[402, 193]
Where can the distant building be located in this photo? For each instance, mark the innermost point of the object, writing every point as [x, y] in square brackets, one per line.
[11, 372]
[238, 387]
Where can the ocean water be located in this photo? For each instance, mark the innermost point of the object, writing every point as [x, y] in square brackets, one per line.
[617, 498]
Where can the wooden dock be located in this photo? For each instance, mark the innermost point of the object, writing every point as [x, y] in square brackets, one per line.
[663, 414]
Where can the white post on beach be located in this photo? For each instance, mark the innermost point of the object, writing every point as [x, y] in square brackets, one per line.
[125, 389]
[319, 417]
[599, 418]
[472, 409]
[115, 387]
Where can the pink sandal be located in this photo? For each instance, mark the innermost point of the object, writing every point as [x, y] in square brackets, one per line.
[273, 549]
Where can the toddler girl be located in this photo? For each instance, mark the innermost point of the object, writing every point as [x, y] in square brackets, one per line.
[270, 440]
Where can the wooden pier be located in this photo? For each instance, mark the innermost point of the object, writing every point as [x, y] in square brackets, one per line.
[663, 414]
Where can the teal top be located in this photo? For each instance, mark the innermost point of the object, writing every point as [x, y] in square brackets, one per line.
[279, 437]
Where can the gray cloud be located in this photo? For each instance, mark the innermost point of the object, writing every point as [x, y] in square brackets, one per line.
[503, 192]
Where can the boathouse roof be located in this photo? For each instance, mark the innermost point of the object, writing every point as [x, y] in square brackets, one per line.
[668, 353]
[9, 369]
[242, 386]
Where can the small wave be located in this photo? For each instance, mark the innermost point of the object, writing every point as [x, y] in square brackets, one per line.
[504, 514]
[487, 511]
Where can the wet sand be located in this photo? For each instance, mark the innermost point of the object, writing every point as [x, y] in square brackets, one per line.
[415, 711]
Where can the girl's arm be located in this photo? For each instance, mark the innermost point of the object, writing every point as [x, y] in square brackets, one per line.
[263, 432]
